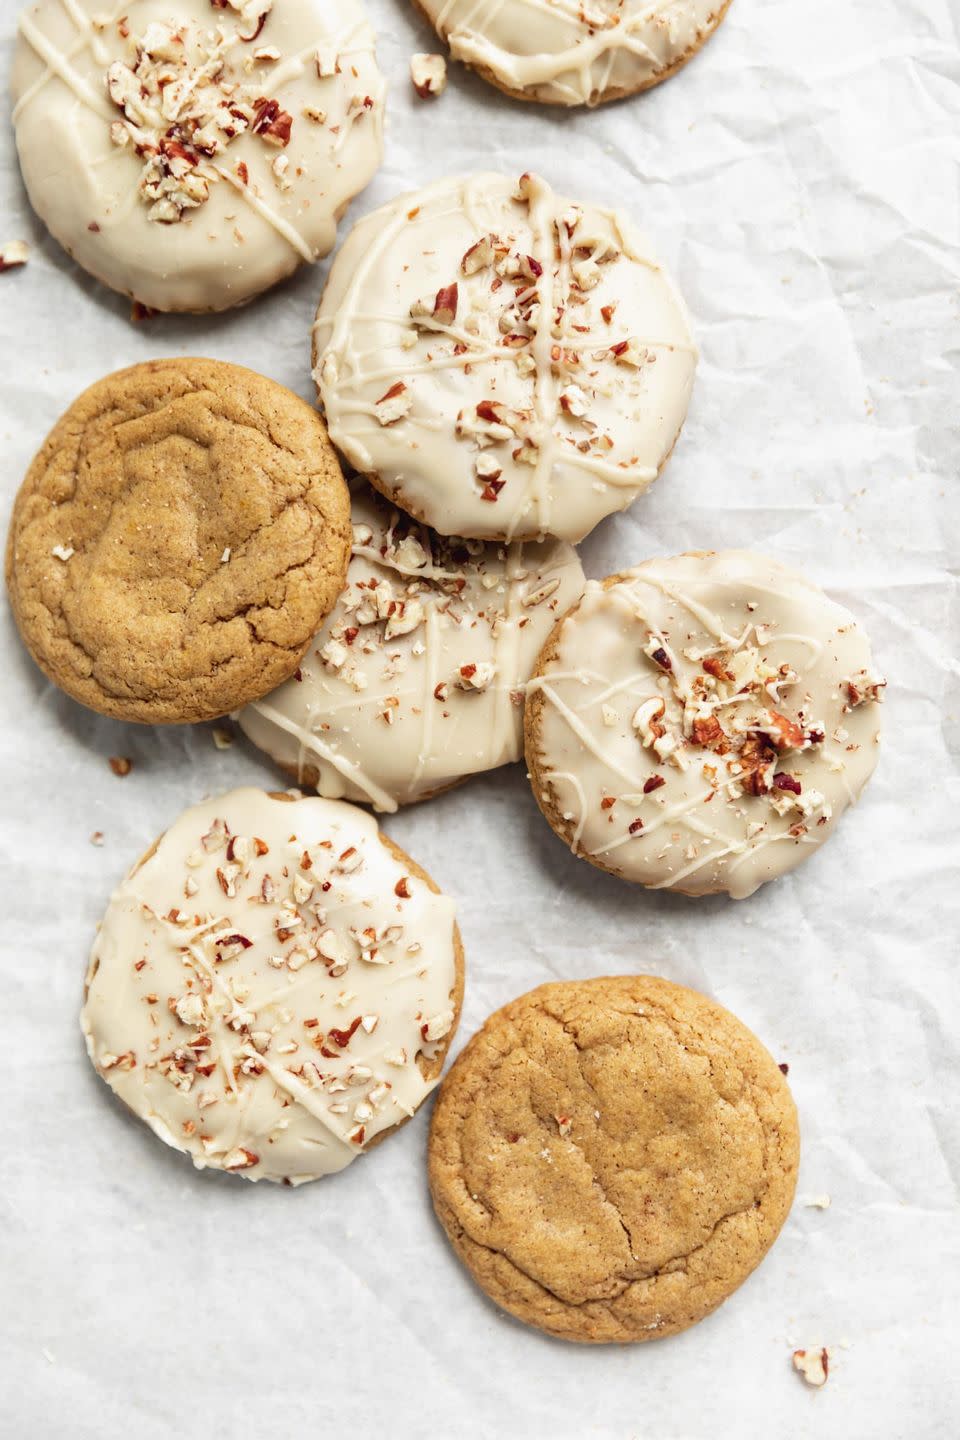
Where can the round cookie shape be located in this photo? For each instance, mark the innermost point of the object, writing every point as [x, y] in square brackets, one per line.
[567, 54]
[500, 362]
[700, 723]
[205, 148]
[611, 1158]
[417, 677]
[274, 987]
[177, 541]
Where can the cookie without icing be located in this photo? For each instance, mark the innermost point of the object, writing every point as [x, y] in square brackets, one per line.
[612, 1158]
[416, 679]
[274, 987]
[500, 362]
[177, 541]
[191, 153]
[700, 723]
[562, 53]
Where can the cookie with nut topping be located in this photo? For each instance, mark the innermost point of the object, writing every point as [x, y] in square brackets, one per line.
[500, 362]
[416, 679]
[612, 1158]
[274, 986]
[583, 54]
[205, 149]
[701, 722]
[177, 541]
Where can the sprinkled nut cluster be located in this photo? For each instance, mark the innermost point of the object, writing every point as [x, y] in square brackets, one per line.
[185, 98]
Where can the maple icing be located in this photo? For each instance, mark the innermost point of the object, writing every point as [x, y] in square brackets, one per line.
[501, 362]
[574, 52]
[416, 678]
[703, 722]
[191, 153]
[263, 984]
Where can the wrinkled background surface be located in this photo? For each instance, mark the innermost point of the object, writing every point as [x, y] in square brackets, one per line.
[800, 179]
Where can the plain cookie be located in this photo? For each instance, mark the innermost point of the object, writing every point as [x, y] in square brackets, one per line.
[611, 1158]
[177, 541]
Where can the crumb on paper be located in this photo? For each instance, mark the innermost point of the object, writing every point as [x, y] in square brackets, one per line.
[429, 75]
[813, 1365]
[222, 737]
[14, 254]
[816, 1202]
[96, 838]
[121, 764]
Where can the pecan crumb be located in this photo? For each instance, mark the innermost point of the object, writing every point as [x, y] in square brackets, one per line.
[813, 1365]
[14, 254]
[429, 75]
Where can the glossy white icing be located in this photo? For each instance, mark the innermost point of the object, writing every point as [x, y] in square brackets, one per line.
[184, 152]
[263, 984]
[416, 678]
[704, 722]
[574, 52]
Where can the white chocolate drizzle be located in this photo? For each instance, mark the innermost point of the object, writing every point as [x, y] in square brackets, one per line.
[503, 363]
[381, 707]
[572, 53]
[211, 151]
[730, 750]
[264, 982]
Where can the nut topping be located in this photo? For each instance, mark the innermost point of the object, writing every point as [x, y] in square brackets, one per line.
[429, 75]
[394, 404]
[14, 254]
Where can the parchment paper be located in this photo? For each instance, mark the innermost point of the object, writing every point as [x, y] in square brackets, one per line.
[800, 178]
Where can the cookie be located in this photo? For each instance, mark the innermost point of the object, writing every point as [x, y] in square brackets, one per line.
[274, 987]
[612, 1158]
[574, 55]
[177, 541]
[500, 362]
[416, 678]
[204, 151]
[700, 723]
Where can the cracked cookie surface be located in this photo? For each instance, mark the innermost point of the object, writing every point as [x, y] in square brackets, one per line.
[611, 1158]
[177, 541]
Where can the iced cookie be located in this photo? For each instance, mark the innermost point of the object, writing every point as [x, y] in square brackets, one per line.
[274, 986]
[501, 362]
[560, 53]
[701, 722]
[612, 1158]
[203, 148]
[417, 677]
[177, 541]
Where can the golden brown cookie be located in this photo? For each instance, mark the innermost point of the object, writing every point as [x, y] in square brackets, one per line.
[611, 1158]
[178, 540]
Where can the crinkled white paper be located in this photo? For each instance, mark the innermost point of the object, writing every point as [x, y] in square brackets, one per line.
[800, 179]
